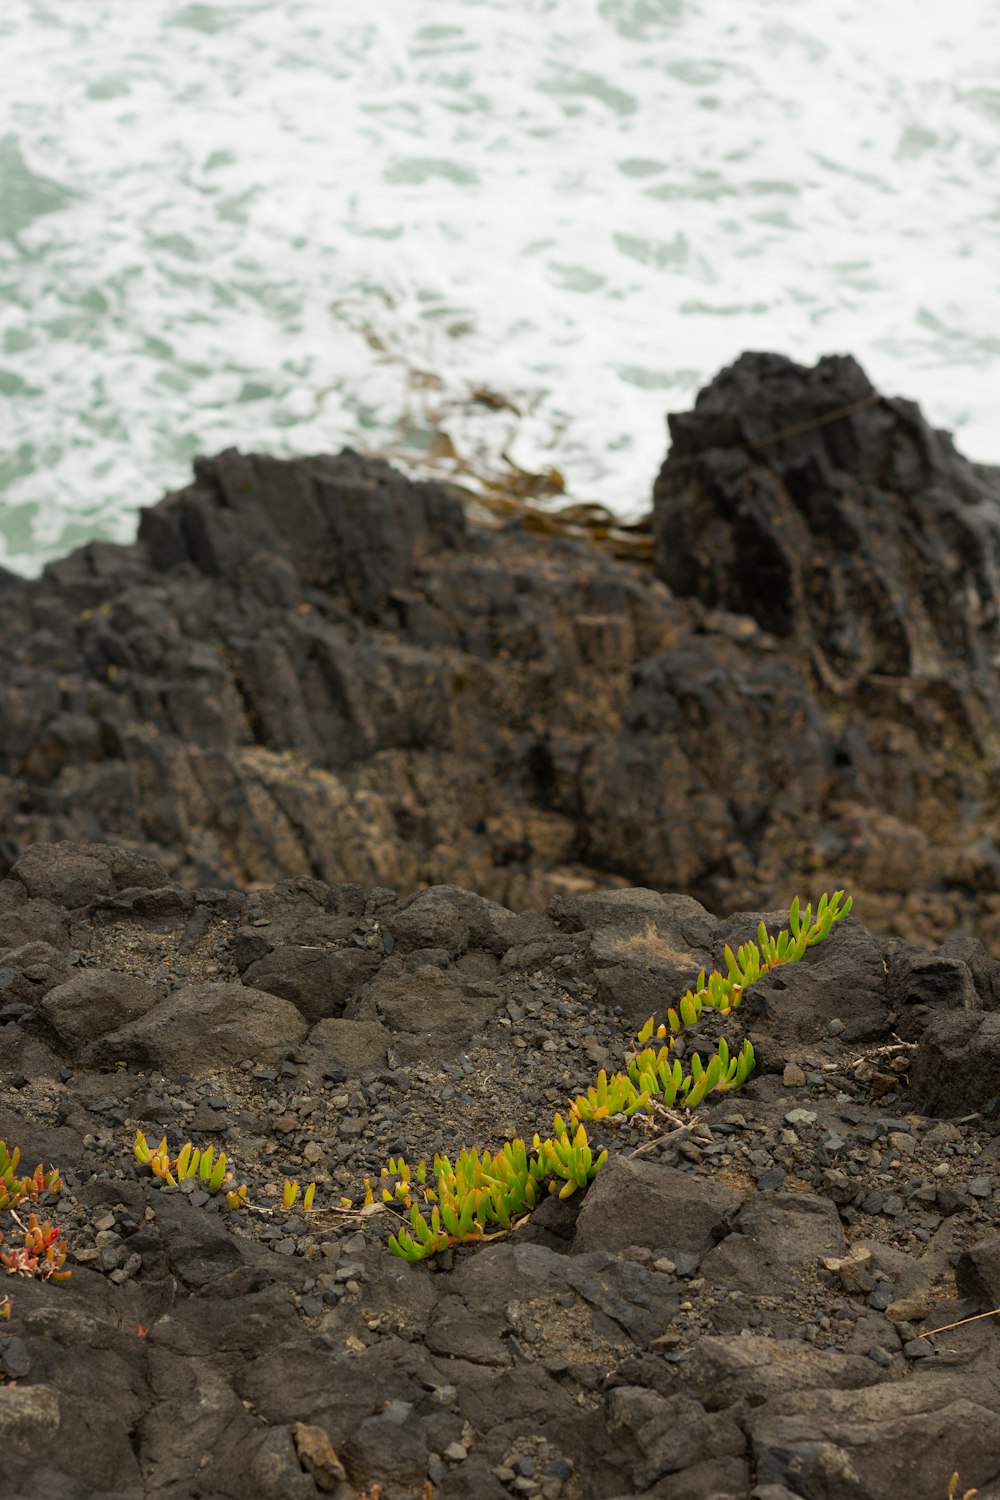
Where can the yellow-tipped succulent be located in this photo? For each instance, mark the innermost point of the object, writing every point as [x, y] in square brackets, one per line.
[476, 1191]
[291, 1193]
[191, 1162]
[14, 1190]
[480, 1195]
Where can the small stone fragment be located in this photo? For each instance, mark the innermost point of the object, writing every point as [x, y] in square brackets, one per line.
[838, 1186]
[16, 1359]
[853, 1270]
[907, 1310]
[318, 1457]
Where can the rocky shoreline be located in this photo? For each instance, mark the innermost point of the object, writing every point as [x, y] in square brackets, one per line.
[318, 667]
[738, 1305]
[336, 825]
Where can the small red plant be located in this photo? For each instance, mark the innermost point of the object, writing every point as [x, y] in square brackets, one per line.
[14, 1189]
[43, 1253]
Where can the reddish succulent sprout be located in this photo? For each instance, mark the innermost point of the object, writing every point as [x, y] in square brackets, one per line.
[40, 1255]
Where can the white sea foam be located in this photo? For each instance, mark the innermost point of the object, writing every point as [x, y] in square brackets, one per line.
[293, 227]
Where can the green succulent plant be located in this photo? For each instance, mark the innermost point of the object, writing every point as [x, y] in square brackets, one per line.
[752, 960]
[480, 1190]
[190, 1162]
[291, 1192]
[620, 1094]
[209, 1170]
[467, 1196]
[14, 1190]
[568, 1157]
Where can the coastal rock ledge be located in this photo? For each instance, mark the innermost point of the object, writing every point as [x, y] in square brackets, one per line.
[741, 1305]
[317, 666]
[339, 824]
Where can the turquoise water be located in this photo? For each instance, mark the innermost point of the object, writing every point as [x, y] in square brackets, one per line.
[470, 233]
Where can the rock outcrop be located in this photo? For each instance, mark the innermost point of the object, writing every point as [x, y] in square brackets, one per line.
[741, 1306]
[317, 667]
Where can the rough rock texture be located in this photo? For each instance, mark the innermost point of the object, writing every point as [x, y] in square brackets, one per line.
[248, 768]
[317, 667]
[739, 1306]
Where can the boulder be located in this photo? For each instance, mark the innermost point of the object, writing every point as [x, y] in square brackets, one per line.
[956, 1067]
[646, 1203]
[202, 1027]
[94, 1002]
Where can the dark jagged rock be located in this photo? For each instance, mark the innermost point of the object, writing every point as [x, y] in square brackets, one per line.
[740, 1306]
[317, 668]
[844, 526]
[834, 516]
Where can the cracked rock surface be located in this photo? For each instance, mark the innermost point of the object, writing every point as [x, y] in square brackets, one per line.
[317, 667]
[738, 1305]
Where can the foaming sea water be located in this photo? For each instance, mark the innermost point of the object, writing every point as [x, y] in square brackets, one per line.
[471, 234]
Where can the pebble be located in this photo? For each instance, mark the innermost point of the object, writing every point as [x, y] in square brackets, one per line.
[793, 1076]
[558, 1468]
[837, 1185]
[771, 1181]
[853, 1269]
[907, 1310]
[15, 1359]
[349, 1272]
[685, 1261]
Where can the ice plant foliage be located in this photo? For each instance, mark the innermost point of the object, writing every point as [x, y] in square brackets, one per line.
[752, 960]
[189, 1162]
[291, 1192]
[480, 1196]
[209, 1170]
[14, 1190]
[42, 1254]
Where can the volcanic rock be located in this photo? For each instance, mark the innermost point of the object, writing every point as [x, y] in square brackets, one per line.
[318, 668]
[683, 1328]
